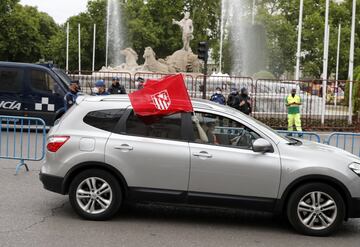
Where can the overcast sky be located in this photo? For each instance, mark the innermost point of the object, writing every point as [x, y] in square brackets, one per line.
[60, 10]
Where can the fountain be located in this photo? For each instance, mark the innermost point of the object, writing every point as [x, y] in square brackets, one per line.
[247, 39]
[182, 60]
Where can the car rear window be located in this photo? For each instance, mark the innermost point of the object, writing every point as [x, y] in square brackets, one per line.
[104, 119]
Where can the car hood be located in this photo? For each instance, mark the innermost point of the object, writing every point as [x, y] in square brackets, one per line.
[318, 153]
[324, 148]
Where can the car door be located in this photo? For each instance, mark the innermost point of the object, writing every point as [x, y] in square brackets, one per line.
[153, 157]
[225, 169]
[44, 97]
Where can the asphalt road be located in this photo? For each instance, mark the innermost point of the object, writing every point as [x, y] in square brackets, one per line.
[32, 216]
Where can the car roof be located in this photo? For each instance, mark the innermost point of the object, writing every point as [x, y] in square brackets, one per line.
[197, 103]
[23, 65]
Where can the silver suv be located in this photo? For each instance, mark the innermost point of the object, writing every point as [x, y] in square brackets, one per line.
[102, 154]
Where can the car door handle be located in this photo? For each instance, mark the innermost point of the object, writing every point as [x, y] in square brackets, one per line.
[202, 154]
[124, 147]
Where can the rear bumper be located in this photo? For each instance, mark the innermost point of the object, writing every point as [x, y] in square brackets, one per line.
[52, 183]
[354, 208]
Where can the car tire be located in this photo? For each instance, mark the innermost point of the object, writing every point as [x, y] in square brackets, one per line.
[316, 209]
[95, 195]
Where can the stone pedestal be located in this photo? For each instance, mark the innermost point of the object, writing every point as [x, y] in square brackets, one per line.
[184, 61]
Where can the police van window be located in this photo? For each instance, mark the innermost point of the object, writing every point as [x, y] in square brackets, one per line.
[218, 130]
[42, 81]
[168, 127]
[104, 119]
[11, 79]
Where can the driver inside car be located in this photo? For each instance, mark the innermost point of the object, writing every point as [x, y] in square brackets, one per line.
[206, 131]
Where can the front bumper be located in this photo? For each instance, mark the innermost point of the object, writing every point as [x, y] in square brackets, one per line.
[52, 183]
[354, 208]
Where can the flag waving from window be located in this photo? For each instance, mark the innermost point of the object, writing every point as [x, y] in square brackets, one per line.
[164, 97]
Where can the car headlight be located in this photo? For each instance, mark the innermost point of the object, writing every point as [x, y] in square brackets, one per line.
[355, 167]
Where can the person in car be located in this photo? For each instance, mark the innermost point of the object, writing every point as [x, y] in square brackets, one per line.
[202, 134]
[100, 89]
[205, 131]
[116, 87]
[70, 97]
[210, 128]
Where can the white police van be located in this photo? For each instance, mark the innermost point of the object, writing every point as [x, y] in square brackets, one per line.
[32, 90]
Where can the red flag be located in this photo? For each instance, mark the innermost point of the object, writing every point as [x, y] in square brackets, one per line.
[150, 82]
[165, 97]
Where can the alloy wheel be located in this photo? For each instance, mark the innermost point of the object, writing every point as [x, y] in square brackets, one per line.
[317, 210]
[94, 195]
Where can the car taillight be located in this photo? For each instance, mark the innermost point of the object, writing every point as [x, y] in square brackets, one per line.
[55, 142]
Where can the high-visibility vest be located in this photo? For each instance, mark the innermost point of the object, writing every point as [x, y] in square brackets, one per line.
[293, 109]
[290, 99]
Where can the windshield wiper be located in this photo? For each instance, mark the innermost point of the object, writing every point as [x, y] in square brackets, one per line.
[293, 141]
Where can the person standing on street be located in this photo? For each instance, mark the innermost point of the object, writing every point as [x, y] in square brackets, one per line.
[234, 99]
[139, 83]
[100, 89]
[116, 87]
[293, 103]
[245, 103]
[70, 97]
[217, 97]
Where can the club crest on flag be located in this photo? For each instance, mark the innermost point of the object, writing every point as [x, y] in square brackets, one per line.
[164, 97]
[161, 100]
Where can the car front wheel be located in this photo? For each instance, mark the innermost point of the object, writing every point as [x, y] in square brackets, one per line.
[95, 195]
[316, 209]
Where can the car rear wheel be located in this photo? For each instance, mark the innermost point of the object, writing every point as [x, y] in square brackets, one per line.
[95, 195]
[316, 209]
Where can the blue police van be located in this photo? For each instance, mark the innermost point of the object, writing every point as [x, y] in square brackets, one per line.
[32, 90]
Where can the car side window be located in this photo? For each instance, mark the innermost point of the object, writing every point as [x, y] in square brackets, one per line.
[42, 81]
[11, 79]
[167, 127]
[104, 119]
[218, 130]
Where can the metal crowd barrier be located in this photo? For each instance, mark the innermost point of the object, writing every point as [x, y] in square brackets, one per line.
[267, 96]
[23, 139]
[345, 140]
[311, 136]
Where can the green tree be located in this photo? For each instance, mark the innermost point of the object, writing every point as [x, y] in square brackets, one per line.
[28, 35]
[6, 7]
[96, 13]
[147, 24]
[142, 29]
[25, 34]
[280, 18]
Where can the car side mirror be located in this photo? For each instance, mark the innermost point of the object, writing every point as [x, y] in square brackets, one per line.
[262, 146]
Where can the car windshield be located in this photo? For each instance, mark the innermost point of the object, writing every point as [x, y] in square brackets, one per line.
[291, 140]
[63, 76]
